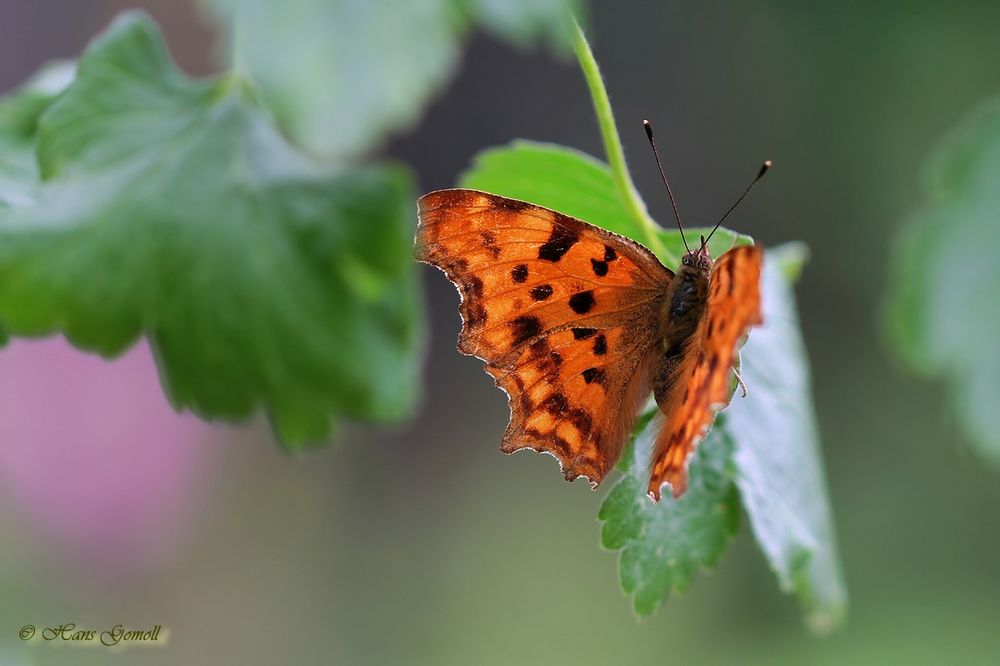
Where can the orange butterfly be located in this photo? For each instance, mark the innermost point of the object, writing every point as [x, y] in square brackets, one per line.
[577, 325]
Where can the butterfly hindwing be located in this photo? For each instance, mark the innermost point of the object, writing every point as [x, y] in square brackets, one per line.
[576, 397]
[565, 315]
[702, 384]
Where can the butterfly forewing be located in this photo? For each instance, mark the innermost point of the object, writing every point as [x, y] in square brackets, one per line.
[564, 313]
[702, 383]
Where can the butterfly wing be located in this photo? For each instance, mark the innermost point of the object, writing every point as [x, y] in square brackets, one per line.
[703, 385]
[564, 314]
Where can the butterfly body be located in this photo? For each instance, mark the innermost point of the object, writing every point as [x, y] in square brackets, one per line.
[578, 325]
[686, 302]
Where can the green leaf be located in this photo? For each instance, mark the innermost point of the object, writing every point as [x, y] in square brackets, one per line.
[943, 311]
[559, 178]
[777, 452]
[19, 114]
[528, 21]
[766, 447]
[663, 545]
[578, 185]
[340, 74]
[173, 208]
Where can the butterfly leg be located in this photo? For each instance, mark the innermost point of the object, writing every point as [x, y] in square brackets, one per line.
[743, 386]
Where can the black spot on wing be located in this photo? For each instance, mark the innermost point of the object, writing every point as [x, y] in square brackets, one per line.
[519, 274]
[600, 267]
[582, 302]
[699, 363]
[609, 253]
[475, 286]
[581, 420]
[560, 241]
[591, 375]
[490, 243]
[555, 404]
[541, 292]
[524, 328]
[583, 333]
[601, 345]
[713, 364]
[729, 267]
[540, 348]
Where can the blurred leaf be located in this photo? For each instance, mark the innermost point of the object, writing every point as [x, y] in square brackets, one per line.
[943, 310]
[528, 21]
[777, 453]
[664, 544]
[19, 113]
[173, 208]
[341, 74]
[575, 184]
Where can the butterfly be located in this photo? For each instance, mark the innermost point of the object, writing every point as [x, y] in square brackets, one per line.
[578, 326]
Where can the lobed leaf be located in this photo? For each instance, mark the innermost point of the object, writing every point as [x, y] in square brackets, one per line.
[663, 545]
[777, 456]
[340, 75]
[173, 208]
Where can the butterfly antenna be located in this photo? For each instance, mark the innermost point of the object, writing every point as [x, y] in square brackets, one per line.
[760, 174]
[663, 177]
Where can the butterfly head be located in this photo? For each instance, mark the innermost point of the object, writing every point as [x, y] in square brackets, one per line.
[698, 259]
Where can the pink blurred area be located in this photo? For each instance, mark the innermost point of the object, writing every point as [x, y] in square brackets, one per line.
[93, 457]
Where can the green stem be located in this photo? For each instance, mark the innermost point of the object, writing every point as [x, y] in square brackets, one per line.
[613, 144]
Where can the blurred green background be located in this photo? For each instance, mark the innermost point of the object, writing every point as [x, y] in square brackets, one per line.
[424, 545]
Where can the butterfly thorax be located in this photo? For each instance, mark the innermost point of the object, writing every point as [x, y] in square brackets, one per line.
[684, 307]
[686, 301]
